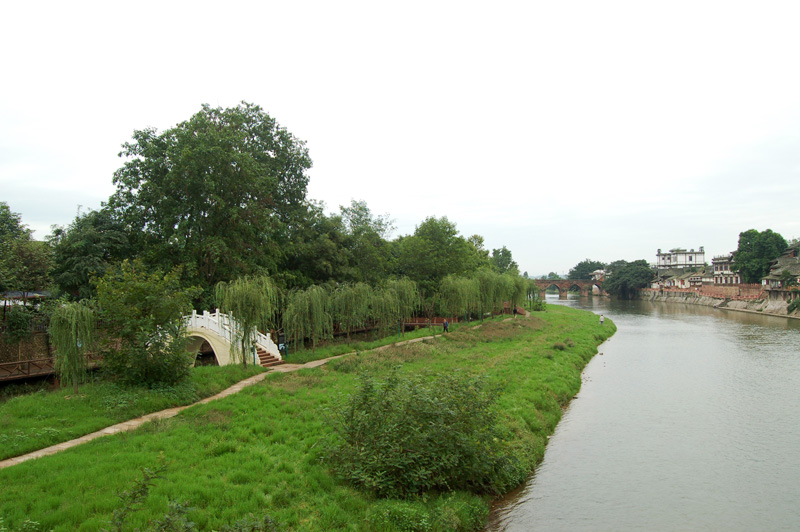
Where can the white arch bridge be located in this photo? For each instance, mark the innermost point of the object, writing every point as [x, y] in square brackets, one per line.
[219, 330]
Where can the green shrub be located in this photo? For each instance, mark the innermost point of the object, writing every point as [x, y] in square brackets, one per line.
[411, 434]
[142, 311]
[539, 305]
[794, 305]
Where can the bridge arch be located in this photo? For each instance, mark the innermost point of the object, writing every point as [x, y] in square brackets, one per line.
[220, 347]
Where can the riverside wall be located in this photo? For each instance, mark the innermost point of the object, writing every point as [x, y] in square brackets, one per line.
[768, 303]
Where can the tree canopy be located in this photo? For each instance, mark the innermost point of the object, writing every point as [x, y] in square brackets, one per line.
[87, 248]
[216, 193]
[583, 270]
[434, 251]
[628, 277]
[755, 252]
[24, 262]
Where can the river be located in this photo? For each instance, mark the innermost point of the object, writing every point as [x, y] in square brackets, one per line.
[687, 420]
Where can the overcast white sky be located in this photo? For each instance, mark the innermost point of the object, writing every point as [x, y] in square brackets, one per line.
[562, 130]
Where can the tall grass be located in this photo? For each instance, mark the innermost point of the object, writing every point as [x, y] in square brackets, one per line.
[261, 451]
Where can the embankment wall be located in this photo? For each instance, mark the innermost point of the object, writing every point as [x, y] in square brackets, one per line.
[772, 307]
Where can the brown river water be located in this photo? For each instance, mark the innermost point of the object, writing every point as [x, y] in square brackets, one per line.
[689, 420]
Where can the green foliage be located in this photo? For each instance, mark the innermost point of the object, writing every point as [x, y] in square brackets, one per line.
[459, 295]
[410, 434]
[85, 249]
[434, 251]
[406, 296]
[24, 263]
[793, 305]
[788, 279]
[18, 324]
[627, 278]
[384, 308]
[252, 302]
[583, 270]
[366, 243]
[217, 193]
[502, 262]
[454, 512]
[141, 311]
[350, 304]
[308, 315]
[754, 253]
[538, 305]
[72, 331]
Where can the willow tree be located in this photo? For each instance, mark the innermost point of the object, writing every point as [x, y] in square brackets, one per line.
[384, 308]
[308, 315]
[505, 292]
[532, 293]
[489, 290]
[406, 299]
[72, 331]
[350, 304]
[518, 291]
[252, 302]
[459, 294]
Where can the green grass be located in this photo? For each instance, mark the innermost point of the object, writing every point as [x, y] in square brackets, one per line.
[35, 421]
[340, 346]
[260, 451]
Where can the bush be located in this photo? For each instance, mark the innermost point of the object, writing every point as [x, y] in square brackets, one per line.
[142, 313]
[794, 305]
[411, 434]
[540, 305]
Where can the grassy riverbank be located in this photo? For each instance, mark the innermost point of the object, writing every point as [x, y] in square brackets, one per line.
[45, 418]
[259, 452]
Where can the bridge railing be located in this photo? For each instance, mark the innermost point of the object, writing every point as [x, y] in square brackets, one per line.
[225, 327]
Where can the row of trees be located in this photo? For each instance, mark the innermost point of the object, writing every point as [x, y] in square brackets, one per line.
[135, 320]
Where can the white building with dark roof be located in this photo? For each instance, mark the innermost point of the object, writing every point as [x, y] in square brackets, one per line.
[680, 258]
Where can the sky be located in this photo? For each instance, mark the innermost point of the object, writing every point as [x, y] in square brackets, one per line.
[561, 130]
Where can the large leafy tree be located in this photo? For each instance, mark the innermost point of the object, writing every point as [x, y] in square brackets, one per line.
[503, 262]
[319, 251]
[366, 242]
[217, 193]
[583, 270]
[755, 252]
[24, 262]
[628, 277]
[85, 249]
[434, 251]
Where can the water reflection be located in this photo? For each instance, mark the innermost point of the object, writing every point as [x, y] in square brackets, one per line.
[686, 422]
